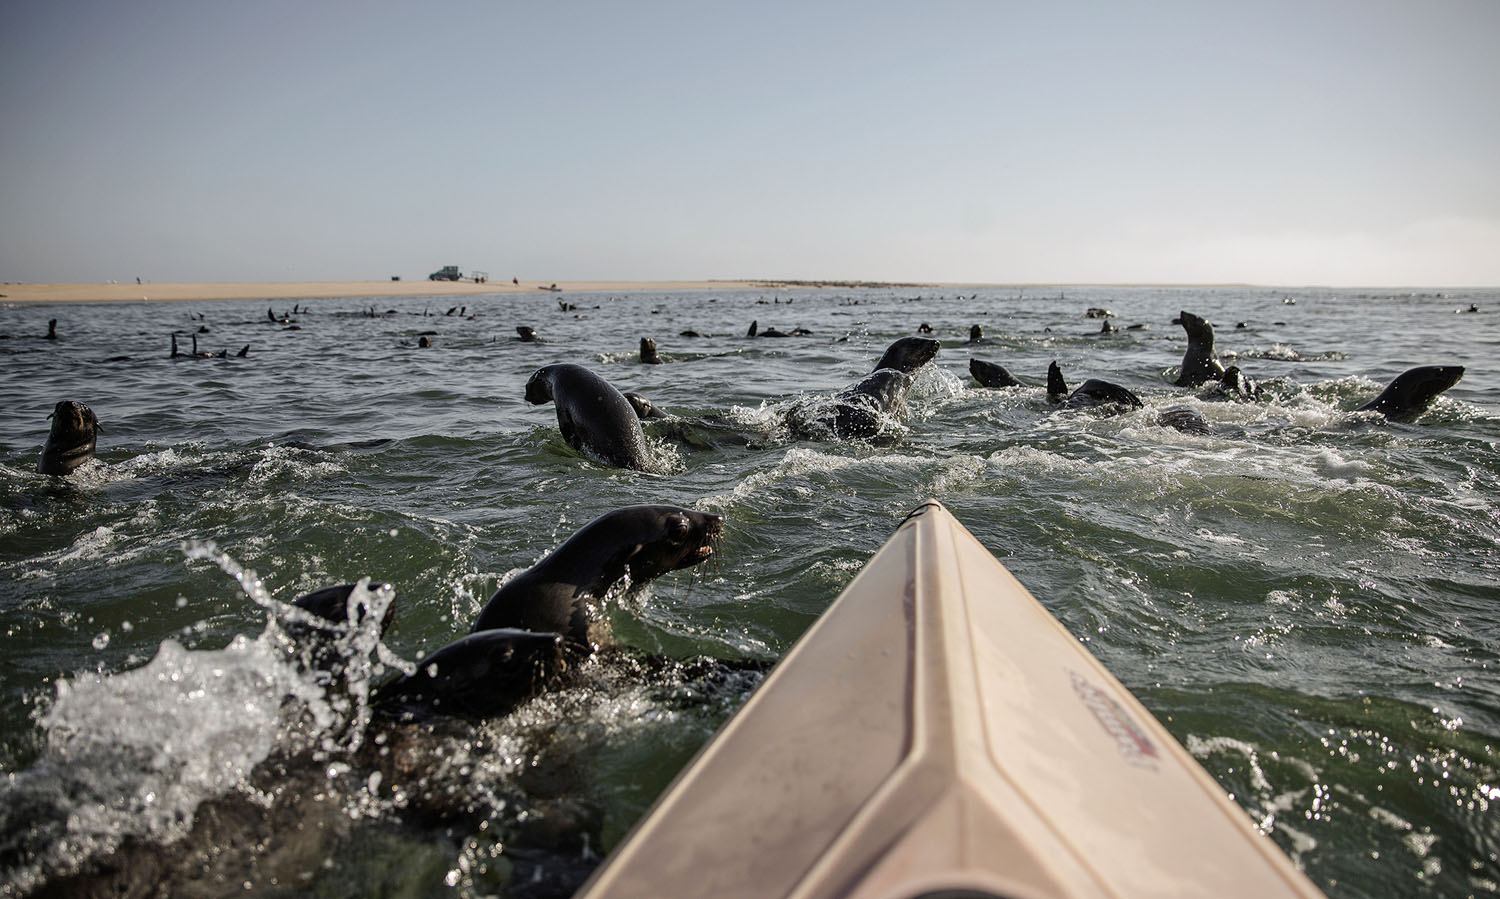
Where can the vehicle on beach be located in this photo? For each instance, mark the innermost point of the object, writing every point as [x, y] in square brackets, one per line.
[446, 273]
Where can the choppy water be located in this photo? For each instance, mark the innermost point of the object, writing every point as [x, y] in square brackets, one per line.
[1306, 596]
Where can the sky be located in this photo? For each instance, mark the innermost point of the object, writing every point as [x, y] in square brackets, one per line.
[1278, 142]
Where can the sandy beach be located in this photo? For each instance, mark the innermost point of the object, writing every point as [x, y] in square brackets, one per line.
[309, 290]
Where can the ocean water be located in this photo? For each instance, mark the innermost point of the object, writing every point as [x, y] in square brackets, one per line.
[1306, 596]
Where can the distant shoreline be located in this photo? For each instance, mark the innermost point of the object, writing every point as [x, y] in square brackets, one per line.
[205, 291]
[208, 291]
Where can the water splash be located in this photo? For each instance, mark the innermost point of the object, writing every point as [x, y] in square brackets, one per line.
[132, 755]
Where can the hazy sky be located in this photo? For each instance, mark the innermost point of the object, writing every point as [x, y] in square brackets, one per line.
[1274, 141]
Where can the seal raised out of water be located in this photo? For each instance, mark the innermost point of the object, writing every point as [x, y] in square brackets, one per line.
[641, 541]
[908, 354]
[71, 440]
[857, 410]
[1412, 391]
[1199, 364]
[593, 416]
[649, 355]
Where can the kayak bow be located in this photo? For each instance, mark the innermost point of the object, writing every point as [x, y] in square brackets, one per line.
[938, 733]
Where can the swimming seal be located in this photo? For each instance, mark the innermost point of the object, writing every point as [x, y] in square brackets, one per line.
[1183, 418]
[988, 374]
[908, 354]
[593, 416]
[645, 410]
[859, 409]
[648, 352]
[1092, 393]
[1412, 391]
[641, 541]
[1234, 383]
[317, 643]
[71, 439]
[1199, 363]
[482, 675]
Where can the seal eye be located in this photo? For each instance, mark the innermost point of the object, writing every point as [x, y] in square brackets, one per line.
[677, 528]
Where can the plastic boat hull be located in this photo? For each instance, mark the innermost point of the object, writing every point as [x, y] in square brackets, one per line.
[937, 730]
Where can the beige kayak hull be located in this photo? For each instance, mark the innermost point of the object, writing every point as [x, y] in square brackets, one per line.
[937, 729]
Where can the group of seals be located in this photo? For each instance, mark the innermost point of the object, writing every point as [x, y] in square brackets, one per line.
[1406, 397]
[203, 354]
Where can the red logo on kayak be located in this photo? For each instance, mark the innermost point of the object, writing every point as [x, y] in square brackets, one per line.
[1134, 745]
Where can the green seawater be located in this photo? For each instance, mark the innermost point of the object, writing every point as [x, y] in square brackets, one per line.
[1305, 596]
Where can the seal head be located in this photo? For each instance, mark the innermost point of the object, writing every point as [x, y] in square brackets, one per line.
[643, 542]
[71, 440]
[649, 355]
[988, 374]
[908, 354]
[1412, 391]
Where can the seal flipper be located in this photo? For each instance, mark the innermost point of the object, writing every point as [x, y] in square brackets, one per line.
[1057, 388]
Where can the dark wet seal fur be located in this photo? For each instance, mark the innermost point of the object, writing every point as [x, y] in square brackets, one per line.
[858, 411]
[988, 374]
[644, 409]
[1199, 364]
[1057, 388]
[643, 542]
[593, 416]
[71, 439]
[1183, 418]
[908, 354]
[1092, 393]
[1234, 383]
[648, 352]
[1412, 391]
[316, 644]
[482, 675]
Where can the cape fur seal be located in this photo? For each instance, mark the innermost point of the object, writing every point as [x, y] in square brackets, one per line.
[641, 541]
[593, 416]
[71, 439]
[1092, 393]
[484, 674]
[1199, 363]
[988, 374]
[648, 352]
[1413, 391]
[858, 410]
